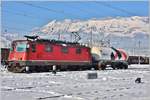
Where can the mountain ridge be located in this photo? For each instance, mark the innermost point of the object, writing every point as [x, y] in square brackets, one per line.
[123, 32]
[120, 26]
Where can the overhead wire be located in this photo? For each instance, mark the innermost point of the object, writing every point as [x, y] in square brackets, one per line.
[49, 9]
[24, 24]
[30, 16]
[64, 13]
[115, 8]
[43, 8]
[21, 14]
[85, 10]
[14, 28]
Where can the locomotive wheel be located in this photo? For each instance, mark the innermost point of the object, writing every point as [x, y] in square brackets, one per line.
[113, 65]
[125, 66]
[19, 69]
[16, 69]
[10, 68]
[101, 66]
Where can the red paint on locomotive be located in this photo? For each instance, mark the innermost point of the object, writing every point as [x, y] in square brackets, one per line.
[46, 52]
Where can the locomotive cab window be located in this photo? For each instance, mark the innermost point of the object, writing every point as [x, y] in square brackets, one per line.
[21, 47]
[48, 48]
[78, 50]
[64, 49]
[12, 47]
[33, 47]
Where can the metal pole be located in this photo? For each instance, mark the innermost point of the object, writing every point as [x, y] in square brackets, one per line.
[149, 42]
[108, 42]
[91, 37]
[59, 36]
[71, 37]
[139, 50]
[134, 46]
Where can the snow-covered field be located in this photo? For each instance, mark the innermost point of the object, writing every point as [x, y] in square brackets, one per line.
[74, 85]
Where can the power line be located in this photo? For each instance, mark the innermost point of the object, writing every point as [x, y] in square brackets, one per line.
[48, 9]
[115, 8]
[22, 14]
[24, 24]
[86, 10]
[14, 28]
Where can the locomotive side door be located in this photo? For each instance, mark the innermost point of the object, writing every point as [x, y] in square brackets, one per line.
[31, 51]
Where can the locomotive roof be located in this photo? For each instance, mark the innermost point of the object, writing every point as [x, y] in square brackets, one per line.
[59, 42]
[47, 40]
[52, 41]
[56, 41]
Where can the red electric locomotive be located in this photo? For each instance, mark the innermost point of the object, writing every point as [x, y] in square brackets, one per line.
[34, 54]
[41, 54]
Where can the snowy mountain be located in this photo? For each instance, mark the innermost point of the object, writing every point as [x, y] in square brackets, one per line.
[120, 26]
[122, 32]
[6, 38]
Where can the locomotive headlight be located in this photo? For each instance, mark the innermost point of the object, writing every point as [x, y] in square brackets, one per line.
[64, 45]
[28, 45]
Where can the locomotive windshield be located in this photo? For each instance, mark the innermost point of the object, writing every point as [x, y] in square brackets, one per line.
[21, 46]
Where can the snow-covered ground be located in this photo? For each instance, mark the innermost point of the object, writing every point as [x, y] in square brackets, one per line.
[74, 85]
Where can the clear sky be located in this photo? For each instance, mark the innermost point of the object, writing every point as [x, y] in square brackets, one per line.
[25, 16]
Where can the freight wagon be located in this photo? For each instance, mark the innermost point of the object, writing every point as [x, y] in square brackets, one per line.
[138, 59]
[4, 55]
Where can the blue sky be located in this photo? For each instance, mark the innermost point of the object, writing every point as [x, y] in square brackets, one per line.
[22, 17]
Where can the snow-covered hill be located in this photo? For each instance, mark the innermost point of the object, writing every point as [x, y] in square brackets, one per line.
[123, 32]
[120, 26]
[6, 38]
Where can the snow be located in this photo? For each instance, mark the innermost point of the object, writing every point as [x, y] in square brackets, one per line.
[74, 85]
[125, 26]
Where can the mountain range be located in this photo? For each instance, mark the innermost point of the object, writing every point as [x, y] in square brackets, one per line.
[130, 33]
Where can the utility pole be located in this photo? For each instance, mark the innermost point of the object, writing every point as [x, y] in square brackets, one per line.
[91, 40]
[59, 36]
[133, 49]
[71, 37]
[108, 42]
[139, 51]
[76, 36]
